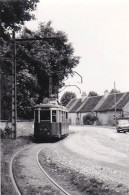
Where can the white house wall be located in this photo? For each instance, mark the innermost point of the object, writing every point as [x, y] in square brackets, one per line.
[107, 118]
[72, 118]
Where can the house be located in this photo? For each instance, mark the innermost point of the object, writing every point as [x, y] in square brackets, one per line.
[87, 107]
[78, 107]
[101, 106]
[107, 111]
[72, 107]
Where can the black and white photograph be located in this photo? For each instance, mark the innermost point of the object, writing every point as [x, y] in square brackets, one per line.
[64, 97]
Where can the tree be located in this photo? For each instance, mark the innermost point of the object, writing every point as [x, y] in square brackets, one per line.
[67, 96]
[47, 57]
[114, 91]
[92, 93]
[13, 14]
[36, 61]
[89, 119]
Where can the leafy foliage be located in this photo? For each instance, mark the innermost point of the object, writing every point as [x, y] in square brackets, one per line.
[14, 13]
[67, 96]
[36, 60]
[89, 119]
[52, 56]
[114, 91]
[92, 93]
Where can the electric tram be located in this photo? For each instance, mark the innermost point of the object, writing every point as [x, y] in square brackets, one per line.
[50, 121]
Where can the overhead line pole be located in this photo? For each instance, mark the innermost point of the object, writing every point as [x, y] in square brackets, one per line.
[14, 103]
[14, 90]
[115, 100]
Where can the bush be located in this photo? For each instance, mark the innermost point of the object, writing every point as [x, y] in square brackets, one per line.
[89, 119]
[6, 132]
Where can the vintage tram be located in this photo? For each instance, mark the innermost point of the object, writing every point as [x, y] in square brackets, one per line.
[50, 121]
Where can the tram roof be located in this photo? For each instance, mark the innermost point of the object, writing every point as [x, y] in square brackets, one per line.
[51, 106]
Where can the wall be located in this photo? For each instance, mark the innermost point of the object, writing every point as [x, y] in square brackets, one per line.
[107, 118]
[72, 118]
[23, 128]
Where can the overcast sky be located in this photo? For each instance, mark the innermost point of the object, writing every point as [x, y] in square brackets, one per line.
[99, 33]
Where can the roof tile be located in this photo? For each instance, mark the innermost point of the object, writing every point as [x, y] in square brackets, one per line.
[76, 106]
[123, 101]
[72, 101]
[110, 102]
[90, 104]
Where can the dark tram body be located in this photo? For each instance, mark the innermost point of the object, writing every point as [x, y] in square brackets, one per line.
[50, 121]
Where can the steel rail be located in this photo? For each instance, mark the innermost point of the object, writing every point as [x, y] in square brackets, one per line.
[14, 182]
[44, 172]
[17, 189]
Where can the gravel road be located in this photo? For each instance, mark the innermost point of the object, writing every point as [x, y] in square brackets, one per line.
[104, 151]
[92, 154]
[96, 152]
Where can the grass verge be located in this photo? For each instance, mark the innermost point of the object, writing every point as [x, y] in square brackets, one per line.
[8, 148]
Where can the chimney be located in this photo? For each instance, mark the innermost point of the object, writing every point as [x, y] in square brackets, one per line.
[106, 93]
[83, 96]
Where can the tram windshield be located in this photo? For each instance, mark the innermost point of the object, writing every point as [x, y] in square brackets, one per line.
[45, 115]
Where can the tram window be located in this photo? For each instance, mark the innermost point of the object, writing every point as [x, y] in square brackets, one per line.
[36, 116]
[53, 115]
[62, 116]
[45, 115]
[66, 115]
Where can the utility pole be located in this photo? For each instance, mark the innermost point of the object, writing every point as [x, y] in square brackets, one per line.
[115, 100]
[14, 103]
[14, 99]
[0, 90]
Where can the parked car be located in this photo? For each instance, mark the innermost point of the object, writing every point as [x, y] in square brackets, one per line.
[122, 125]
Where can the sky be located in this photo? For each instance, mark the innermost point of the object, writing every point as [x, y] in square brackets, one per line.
[99, 33]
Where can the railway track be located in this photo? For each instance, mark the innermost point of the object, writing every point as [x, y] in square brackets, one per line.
[24, 152]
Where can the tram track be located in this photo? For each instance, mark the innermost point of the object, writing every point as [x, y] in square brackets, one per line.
[18, 189]
[14, 182]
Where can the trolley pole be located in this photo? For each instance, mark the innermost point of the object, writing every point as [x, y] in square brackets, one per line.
[14, 103]
[50, 85]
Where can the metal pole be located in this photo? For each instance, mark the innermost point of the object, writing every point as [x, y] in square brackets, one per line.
[115, 100]
[50, 85]
[0, 91]
[14, 105]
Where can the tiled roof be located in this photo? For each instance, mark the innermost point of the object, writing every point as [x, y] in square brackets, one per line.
[90, 104]
[123, 101]
[109, 102]
[68, 106]
[76, 106]
[98, 103]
